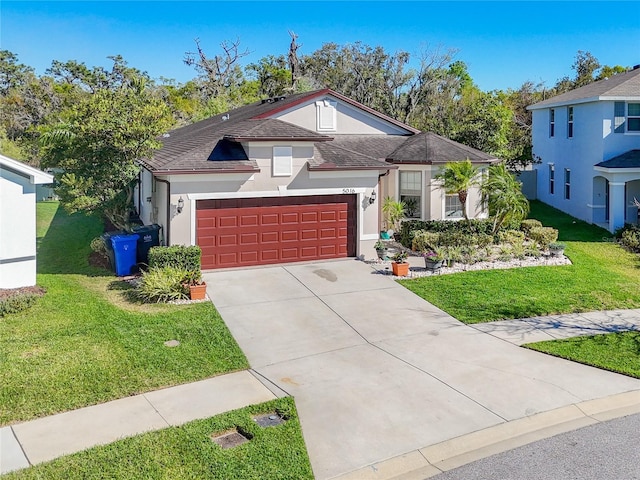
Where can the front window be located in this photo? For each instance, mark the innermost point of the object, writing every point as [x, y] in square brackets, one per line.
[411, 193]
[633, 117]
[567, 184]
[552, 179]
[452, 206]
[570, 122]
[552, 122]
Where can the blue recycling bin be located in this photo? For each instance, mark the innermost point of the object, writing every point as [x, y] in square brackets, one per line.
[125, 251]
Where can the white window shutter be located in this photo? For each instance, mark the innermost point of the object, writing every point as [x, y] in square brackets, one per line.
[282, 161]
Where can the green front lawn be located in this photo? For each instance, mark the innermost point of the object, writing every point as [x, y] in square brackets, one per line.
[603, 276]
[84, 343]
[617, 352]
[188, 452]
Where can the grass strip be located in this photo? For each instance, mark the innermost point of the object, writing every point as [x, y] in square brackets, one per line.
[187, 452]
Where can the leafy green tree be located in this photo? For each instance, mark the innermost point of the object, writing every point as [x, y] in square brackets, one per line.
[272, 74]
[97, 142]
[502, 192]
[458, 178]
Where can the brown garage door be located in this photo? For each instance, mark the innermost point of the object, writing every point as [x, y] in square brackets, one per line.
[261, 231]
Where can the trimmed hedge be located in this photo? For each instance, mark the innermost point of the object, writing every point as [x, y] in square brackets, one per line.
[187, 257]
[543, 235]
[528, 224]
[474, 226]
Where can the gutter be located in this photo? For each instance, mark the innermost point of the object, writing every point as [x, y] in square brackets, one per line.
[168, 224]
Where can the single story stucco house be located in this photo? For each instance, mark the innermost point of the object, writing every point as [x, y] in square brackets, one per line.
[294, 178]
[18, 222]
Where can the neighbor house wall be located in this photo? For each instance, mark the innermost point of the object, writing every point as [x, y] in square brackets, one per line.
[17, 230]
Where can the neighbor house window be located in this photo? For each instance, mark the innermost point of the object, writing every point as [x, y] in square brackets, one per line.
[411, 193]
[552, 122]
[619, 118]
[570, 122]
[552, 179]
[326, 115]
[633, 117]
[282, 161]
[567, 184]
[452, 206]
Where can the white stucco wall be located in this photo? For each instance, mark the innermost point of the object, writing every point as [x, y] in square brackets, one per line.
[17, 230]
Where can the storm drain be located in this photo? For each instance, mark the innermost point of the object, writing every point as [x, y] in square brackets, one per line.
[230, 439]
[269, 420]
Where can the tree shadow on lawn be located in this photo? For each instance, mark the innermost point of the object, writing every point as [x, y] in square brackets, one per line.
[570, 229]
[65, 247]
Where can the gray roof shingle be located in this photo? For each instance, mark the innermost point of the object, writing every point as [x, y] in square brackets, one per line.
[428, 148]
[630, 159]
[622, 85]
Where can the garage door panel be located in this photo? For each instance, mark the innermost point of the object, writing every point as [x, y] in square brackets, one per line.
[260, 231]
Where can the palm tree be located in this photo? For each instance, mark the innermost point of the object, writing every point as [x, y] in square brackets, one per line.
[458, 178]
[503, 194]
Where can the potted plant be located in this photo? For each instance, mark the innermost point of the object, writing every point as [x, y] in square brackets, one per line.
[197, 286]
[432, 260]
[400, 266]
[393, 212]
[381, 250]
[556, 249]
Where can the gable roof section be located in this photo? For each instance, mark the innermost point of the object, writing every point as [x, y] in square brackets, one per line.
[630, 159]
[427, 148]
[623, 86]
[35, 176]
[355, 152]
[212, 145]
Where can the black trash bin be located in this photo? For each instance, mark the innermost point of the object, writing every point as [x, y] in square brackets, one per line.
[106, 238]
[149, 237]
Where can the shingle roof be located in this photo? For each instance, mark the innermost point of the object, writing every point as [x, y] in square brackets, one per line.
[620, 86]
[428, 148]
[212, 144]
[630, 159]
[354, 152]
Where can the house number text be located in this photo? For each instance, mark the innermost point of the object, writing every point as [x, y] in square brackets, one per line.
[348, 190]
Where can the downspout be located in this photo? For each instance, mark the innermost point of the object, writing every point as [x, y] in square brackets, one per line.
[168, 225]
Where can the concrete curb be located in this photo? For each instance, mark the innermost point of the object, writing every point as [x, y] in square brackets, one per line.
[434, 459]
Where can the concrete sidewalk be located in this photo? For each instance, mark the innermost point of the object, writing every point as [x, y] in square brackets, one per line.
[36, 441]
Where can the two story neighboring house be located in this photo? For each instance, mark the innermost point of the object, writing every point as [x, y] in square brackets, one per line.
[588, 141]
[293, 178]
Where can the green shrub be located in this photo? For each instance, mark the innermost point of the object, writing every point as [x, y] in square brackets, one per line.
[543, 236]
[178, 256]
[528, 224]
[163, 284]
[630, 239]
[97, 245]
[475, 226]
[18, 302]
[512, 237]
[424, 240]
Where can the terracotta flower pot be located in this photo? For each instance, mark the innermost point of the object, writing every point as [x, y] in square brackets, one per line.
[198, 292]
[400, 269]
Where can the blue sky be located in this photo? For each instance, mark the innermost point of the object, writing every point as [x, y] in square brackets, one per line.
[504, 43]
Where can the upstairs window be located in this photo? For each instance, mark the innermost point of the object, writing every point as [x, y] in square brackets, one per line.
[326, 115]
[567, 184]
[552, 178]
[633, 117]
[282, 161]
[552, 122]
[569, 122]
[619, 118]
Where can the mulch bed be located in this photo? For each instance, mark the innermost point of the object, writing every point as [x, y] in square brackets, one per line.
[10, 292]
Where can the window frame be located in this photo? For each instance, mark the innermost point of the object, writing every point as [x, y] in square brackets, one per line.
[570, 121]
[455, 197]
[632, 117]
[552, 179]
[418, 193]
[552, 122]
[567, 184]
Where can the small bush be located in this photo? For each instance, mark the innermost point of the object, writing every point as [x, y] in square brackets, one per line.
[178, 256]
[630, 239]
[97, 245]
[424, 240]
[163, 284]
[14, 301]
[475, 226]
[528, 224]
[543, 236]
[512, 237]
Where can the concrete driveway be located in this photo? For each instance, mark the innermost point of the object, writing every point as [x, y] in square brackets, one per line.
[376, 371]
